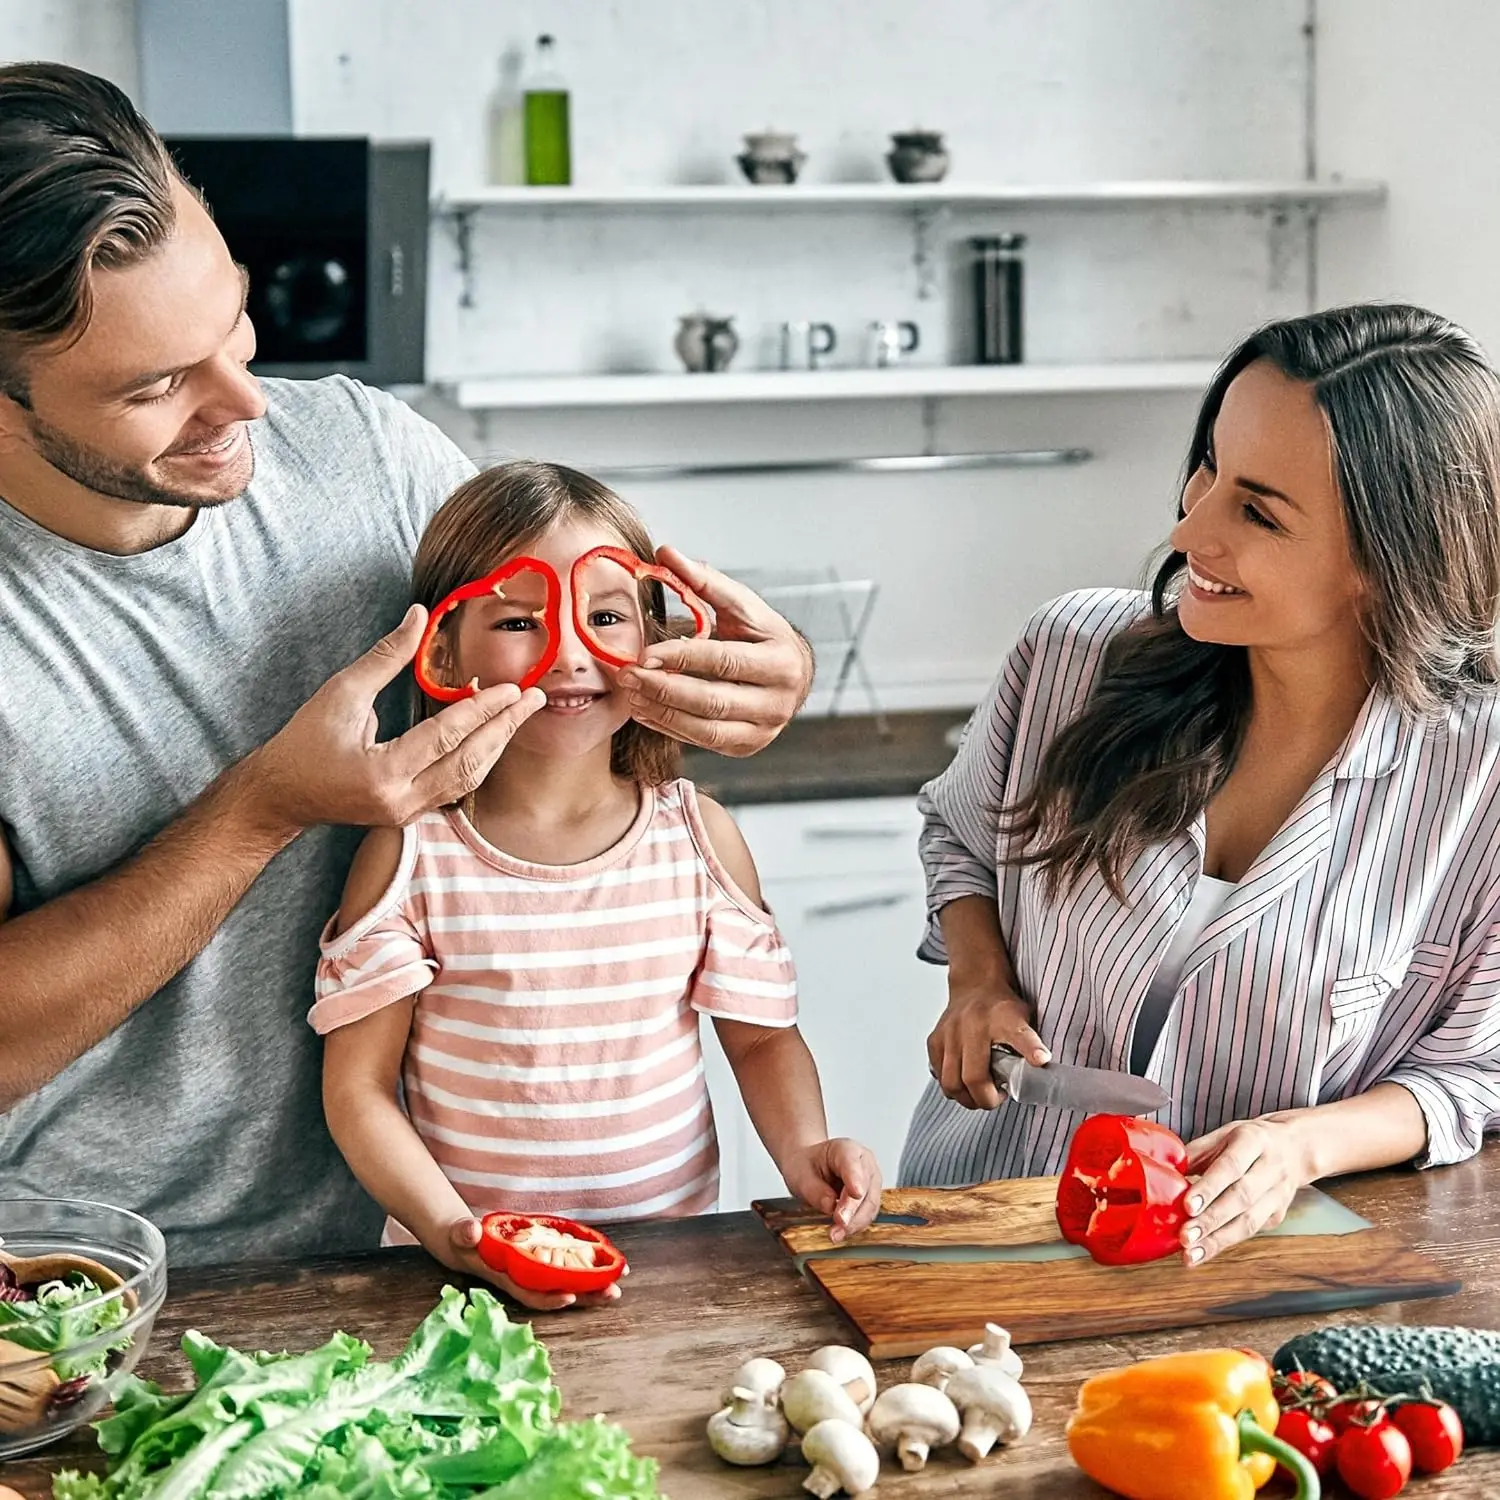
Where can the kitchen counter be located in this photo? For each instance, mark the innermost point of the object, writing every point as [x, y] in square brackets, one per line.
[847, 756]
[705, 1293]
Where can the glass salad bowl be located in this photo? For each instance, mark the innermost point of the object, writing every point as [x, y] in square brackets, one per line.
[64, 1330]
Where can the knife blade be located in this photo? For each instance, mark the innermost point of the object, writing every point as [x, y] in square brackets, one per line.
[1065, 1086]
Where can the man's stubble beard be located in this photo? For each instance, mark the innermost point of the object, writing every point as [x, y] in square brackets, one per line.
[91, 469]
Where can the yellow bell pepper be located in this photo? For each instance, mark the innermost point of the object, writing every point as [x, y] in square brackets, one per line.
[1195, 1426]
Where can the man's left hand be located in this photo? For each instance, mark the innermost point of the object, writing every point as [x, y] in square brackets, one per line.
[734, 692]
[1247, 1174]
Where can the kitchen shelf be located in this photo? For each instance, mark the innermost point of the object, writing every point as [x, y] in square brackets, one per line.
[940, 195]
[547, 392]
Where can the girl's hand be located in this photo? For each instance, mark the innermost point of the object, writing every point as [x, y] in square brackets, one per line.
[459, 1252]
[958, 1051]
[1247, 1173]
[840, 1178]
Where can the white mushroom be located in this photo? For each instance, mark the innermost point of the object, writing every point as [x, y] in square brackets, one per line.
[748, 1431]
[995, 1407]
[763, 1376]
[843, 1458]
[936, 1366]
[996, 1350]
[852, 1371]
[813, 1396]
[914, 1418]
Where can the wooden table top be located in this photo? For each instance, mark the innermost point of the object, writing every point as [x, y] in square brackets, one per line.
[705, 1293]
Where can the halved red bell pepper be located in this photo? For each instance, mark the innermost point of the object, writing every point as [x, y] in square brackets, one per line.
[638, 568]
[533, 1250]
[1122, 1190]
[550, 615]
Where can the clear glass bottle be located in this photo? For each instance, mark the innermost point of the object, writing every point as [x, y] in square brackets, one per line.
[507, 122]
[549, 150]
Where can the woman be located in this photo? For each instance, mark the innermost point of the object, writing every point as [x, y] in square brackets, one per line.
[1242, 835]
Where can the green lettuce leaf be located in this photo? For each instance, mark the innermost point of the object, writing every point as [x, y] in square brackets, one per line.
[582, 1461]
[467, 1408]
[59, 1317]
[465, 1359]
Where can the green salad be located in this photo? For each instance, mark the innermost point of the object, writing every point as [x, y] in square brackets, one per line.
[60, 1315]
[467, 1411]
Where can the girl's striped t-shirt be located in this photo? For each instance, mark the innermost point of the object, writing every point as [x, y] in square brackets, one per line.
[554, 1063]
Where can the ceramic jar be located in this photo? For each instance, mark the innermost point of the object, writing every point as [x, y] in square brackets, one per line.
[771, 158]
[704, 343]
[917, 156]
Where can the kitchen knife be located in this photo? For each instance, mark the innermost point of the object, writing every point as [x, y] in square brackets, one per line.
[1063, 1086]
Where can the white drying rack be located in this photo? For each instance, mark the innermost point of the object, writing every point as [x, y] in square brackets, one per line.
[832, 613]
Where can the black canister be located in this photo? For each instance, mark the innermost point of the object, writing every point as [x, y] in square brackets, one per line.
[997, 298]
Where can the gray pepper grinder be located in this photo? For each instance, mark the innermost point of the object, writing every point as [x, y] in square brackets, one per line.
[998, 298]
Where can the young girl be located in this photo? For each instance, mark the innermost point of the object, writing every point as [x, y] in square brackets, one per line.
[529, 969]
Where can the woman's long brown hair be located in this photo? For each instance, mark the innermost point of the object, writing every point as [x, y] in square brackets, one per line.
[1413, 414]
[497, 514]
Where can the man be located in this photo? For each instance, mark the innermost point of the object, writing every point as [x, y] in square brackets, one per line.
[191, 564]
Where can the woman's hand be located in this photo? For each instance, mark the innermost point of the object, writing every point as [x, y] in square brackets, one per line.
[837, 1177]
[979, 1013]
[459, 1251]
[733, 693]
[1247, 1174]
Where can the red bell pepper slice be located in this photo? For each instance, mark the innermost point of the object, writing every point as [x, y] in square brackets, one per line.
[515, 1244]
[491, 583]
[1122, 1190]
[638, 568]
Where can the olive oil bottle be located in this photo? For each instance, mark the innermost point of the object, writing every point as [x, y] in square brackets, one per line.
[549, 151]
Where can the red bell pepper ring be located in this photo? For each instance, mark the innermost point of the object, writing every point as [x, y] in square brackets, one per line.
[1122, 1190]
[516, 1244]
[550, 615]
[638, 568]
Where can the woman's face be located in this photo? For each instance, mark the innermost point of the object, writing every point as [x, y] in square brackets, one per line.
[1263, 531]
[501, 639]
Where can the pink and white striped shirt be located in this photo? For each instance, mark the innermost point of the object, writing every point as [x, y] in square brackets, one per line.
[554, 1063]
[1362, 944]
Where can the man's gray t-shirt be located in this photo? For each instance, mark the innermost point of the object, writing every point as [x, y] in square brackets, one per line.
[126, 685]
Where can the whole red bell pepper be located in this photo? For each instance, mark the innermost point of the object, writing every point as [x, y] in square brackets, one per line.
[544, 1253]
[1122, 1190]
[638, 568]
[550, 615]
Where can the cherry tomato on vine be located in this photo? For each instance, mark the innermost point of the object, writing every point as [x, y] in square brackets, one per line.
[1434, 1431]
[1374, 1461]
[1297, 1385]
[1365, 1411]
[1312, 1437]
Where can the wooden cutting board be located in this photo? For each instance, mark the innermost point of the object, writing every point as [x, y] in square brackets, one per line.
[940, 1263]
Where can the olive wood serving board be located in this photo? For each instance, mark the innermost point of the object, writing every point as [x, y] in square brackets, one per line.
[940, 1263]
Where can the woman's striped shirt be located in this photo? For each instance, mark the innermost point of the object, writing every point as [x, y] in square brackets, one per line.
[1363, 943]
[553, 1064]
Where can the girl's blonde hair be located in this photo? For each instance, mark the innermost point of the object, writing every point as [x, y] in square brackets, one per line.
[499, 513]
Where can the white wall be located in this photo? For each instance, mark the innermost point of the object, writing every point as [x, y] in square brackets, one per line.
[95, 34]
[1026, 90]
[1407, 92]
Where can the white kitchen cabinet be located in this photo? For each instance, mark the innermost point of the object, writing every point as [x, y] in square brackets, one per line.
[845, 883]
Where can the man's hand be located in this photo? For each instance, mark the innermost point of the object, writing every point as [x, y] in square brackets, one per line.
[325, 766]
[1251, 1170]
[733, 693]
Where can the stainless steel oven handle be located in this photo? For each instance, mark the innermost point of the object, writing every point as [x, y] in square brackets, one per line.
[858, 903]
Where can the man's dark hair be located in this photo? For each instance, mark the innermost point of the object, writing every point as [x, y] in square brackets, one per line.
[84, 182]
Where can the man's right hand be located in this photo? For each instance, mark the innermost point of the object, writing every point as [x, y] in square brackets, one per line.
[326, 765]
[958, 1051]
